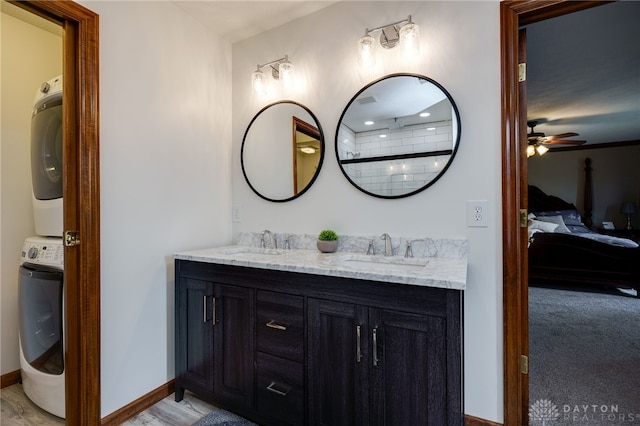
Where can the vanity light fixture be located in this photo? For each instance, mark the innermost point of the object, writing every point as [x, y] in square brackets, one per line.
[281, 69]
[391, 35]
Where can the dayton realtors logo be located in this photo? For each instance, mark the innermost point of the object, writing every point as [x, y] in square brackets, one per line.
[545, 413]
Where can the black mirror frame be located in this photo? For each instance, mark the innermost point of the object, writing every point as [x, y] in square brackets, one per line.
[444, 169]
[320, 161]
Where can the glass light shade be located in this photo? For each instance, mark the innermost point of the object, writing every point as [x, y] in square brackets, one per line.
[258, 83]
[531, 151]
[286, 71]
[542, 149]
[410, 40]
[367, 51]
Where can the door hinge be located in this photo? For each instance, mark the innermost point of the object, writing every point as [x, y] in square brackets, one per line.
[524, 218]
[71, 238]
[522, 72]
[524, 364]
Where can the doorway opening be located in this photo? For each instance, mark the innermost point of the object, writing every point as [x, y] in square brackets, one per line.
[81, 195]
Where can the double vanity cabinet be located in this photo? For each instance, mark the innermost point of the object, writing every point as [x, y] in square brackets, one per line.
[283, 347]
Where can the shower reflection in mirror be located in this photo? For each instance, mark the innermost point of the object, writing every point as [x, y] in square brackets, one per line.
[397, 136]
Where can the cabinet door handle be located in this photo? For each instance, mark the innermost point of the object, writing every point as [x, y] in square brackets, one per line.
[274, 324]
[375, 346]
[283, 392]
[204, 308]
[358, 347]
[213, 317]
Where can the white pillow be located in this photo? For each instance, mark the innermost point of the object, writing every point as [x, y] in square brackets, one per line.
[542, 225]
[562, 228]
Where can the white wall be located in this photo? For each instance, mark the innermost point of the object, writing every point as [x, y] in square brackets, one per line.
[30, 56]
[615, 175]
[460, 46]
[165, 131]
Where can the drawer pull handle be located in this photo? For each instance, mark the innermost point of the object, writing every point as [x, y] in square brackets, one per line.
[375, 346]
[273, 324]
[358, 347]
[283, 392]
[204, 308]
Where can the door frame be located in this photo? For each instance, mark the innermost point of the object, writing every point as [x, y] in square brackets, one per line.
[81, 203]
[513, 14]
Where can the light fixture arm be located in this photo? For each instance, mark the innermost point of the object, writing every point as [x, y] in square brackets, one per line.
[275, 72]
[381, 27]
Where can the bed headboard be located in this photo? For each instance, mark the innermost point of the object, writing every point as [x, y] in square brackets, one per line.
[541, 202]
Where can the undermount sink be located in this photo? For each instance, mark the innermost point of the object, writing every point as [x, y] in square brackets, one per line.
[380, 263]
[253, 252]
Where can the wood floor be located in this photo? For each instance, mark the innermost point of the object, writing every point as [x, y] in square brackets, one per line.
[18, 410]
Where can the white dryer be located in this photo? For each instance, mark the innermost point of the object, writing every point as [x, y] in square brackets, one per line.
[46, 158]
[41, 323]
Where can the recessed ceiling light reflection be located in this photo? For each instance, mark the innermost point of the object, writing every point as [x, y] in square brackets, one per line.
[425, 114]
[368, 123]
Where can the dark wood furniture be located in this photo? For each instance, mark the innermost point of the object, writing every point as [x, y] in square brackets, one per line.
[285, 348]
[567, 259]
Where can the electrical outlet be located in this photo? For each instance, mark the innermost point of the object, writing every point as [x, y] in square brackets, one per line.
[478, 213]
[236, 214]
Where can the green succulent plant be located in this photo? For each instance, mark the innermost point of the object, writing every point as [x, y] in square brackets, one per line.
[328, 235]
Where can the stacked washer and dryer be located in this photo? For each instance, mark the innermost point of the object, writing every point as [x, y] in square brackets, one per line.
[41, 275]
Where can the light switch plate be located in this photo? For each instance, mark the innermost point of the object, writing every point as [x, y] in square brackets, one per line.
[236, 214]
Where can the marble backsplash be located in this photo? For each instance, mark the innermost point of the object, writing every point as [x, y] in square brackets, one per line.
[420, 246]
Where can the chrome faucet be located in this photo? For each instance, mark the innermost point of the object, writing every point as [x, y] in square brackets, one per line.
[287, 241]
[388, 250]
[263, 244]
[409, 251]
[371, 249]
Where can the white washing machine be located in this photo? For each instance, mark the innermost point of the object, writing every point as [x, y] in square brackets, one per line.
[46, 158]
[41, 323]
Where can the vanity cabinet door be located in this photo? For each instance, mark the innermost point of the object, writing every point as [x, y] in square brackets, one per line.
[337, 369]
[233, 329]
[408, 369]
[194, 336]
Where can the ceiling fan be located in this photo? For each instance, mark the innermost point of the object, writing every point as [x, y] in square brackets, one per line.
[538, 141]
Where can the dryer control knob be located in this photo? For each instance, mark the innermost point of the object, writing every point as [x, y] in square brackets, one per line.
[45, 87]
[33, 253]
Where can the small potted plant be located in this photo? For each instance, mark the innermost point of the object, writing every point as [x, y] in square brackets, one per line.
[327, 241]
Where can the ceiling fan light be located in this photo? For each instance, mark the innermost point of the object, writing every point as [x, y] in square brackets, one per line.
[542, 149]
[531, 151]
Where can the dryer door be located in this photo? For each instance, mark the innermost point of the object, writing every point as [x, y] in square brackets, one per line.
[46, 150]
[40, 306]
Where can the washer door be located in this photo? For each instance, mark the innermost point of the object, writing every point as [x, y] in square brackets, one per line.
[46, 150]
[40, 306]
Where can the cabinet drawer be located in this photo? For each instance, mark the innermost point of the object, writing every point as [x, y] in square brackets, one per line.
[280, 390]
[280, 325]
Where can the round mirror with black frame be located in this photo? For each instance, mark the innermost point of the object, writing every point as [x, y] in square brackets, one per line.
[397, 136]
[282, 151]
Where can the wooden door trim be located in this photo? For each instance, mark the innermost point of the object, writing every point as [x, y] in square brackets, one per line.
[81, 192]
[513, 14]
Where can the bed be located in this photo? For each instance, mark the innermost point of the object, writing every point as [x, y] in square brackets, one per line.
[563, 250]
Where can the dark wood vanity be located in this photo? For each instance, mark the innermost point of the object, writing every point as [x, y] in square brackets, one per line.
[289, 348]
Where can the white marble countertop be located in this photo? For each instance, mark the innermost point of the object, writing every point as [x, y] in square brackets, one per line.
[441, 272]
